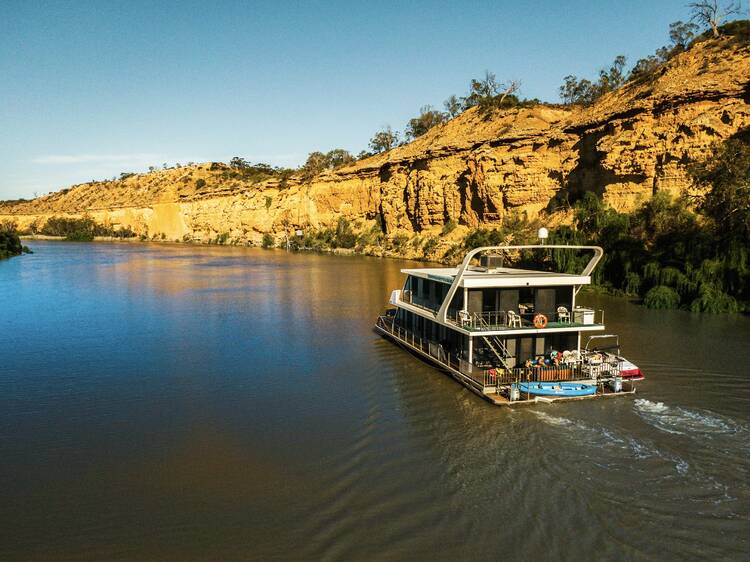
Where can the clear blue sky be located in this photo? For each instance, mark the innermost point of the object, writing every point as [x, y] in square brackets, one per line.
[92, 89]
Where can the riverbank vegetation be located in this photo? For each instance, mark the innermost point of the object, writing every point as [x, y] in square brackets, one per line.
[10, 243]
[79, 229]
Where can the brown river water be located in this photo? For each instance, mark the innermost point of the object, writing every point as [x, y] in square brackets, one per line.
[166, 402]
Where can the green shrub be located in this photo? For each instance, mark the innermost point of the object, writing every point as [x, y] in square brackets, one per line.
[268, 241]
[449, 227]
[632, 283]
[79, 236]
[661, 297]
[81, 230]
[739, 30]
[10, 244]
[241, 169]
[429, 246]
[344, 237]
[671, 277]
[714, 301]
[651, 272]
[200, 183]
[320, 240]
[399, 242]
[483, 237]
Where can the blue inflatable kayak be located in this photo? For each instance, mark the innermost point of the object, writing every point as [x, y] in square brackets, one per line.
[556, 388]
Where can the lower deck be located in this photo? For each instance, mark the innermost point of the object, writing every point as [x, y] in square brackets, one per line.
[602, 391]
[493, 386]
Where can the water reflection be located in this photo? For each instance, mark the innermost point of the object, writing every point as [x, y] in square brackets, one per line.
[162, 401]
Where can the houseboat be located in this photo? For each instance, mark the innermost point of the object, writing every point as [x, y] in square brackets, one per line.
[510, 332]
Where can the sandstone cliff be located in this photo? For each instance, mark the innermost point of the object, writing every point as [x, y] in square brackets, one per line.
[473, 169]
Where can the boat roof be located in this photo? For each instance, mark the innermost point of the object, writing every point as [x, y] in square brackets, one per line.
[480, 277]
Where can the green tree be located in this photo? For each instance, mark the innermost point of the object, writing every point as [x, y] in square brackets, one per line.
[338, 157]
[576, 92]
[726, 174]
[681, 34]
[316, 163]
[584, 92]
[268, 241]
[453, 106]
[428, 118]
[610, 80]
[10, 244]
[645, 67]
[488, 94]
[384, 140]
[237, 163]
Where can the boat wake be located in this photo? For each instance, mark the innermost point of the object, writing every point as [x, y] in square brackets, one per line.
[681, 421]
[603, 438]
[616, 451]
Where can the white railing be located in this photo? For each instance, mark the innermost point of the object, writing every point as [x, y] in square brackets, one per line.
[499, 320]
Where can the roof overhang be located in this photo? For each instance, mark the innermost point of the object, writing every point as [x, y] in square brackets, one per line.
[504, 278]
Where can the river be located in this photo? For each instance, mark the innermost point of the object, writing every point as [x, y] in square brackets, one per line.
[192, 403]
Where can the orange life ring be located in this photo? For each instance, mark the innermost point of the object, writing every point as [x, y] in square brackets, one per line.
[540, 321]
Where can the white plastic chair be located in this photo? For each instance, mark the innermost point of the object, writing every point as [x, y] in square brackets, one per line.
[514, 319]
[463, 317]
[562, 314]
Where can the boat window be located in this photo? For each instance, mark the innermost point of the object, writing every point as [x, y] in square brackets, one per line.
[475, 300]
[544, 301]
[509, 300]
[561, 342]
[525, 349]
[456, 304]
[564, 297]
[539, 346]
[526, 300]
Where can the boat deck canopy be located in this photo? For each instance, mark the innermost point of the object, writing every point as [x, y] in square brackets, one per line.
[499, 277]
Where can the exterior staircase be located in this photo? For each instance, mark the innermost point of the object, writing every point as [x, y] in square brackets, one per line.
[496, 345]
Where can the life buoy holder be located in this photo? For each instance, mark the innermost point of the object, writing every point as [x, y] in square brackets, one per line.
[540, 321]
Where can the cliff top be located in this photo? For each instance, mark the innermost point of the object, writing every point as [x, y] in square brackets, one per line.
[710, 69]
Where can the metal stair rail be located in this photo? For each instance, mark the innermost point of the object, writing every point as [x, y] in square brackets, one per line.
[500, 356]
[493, 342]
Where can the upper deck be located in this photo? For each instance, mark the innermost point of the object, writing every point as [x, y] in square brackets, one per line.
[482, 293]
[498, 277]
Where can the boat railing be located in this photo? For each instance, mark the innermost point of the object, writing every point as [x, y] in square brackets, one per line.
[495, 379]
[501, 320]
[432, 348]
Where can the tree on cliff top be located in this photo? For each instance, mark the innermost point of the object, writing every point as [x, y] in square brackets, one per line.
[488, 94]
[711, 14]
[453, 106]
[681, 35]
[384, 140]
[428, 118]
[318, 162]
[585, 92]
